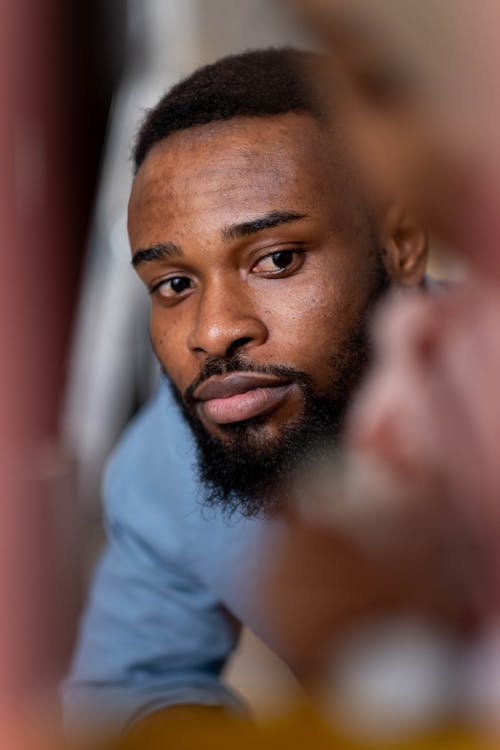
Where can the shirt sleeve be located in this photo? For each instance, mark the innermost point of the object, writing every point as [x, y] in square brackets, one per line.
[152, 635]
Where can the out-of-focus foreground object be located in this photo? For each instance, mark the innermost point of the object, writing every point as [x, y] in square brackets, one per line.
[45, 152]
[424, 106]
[39, 221]
[418, 84]
[305, 728]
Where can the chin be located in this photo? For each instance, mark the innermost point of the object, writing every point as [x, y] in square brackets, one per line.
[263, 430]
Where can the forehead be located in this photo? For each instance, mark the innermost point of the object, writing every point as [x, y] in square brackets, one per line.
[228, 169]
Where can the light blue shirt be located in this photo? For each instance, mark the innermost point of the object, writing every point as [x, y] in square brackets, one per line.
[174, 584]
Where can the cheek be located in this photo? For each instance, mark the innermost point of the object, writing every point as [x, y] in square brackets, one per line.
[169, 344]
[317, 315]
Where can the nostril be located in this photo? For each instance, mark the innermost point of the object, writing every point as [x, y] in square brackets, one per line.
[238, 344]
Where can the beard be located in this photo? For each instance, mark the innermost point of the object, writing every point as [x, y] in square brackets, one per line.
[246, 472]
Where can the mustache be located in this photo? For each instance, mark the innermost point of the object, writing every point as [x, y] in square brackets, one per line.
[238, 363]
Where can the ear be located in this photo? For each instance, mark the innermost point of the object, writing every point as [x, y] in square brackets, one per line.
[404, 244]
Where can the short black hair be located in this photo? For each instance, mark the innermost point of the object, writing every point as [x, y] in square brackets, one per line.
[251, 84]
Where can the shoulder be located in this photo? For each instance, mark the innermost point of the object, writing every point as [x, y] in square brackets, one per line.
[157, 433]
[152, 497]
[151, 470]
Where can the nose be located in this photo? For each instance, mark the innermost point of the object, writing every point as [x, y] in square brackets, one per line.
[226, 320]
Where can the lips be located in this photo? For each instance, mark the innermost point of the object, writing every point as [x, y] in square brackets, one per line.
[239, 396]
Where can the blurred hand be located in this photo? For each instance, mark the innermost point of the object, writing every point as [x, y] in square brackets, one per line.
[430, 411]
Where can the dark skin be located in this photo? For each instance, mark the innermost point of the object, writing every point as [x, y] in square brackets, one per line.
[238, 232]
[246, 241]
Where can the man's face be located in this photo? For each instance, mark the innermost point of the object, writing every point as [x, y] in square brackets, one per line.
[260, 267]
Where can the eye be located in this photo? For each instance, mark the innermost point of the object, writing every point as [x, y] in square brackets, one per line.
[279, 263]
[172, 288]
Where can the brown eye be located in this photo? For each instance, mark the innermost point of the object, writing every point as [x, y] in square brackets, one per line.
[170, 289]
[179, 284]
[282, 262]
[282, 259]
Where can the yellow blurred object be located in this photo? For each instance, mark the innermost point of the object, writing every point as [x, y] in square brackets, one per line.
[304, 729]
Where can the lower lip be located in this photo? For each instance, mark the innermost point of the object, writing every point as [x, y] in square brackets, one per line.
[243, 406]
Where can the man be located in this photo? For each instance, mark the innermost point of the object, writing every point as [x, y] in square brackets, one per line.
[263, 261]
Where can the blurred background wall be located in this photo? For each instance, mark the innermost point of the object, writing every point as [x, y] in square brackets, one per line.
[75, 79]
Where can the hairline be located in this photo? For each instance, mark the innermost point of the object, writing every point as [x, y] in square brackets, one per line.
[220, 123]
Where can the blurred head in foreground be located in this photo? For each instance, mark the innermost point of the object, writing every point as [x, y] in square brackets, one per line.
[423, 115]
[263, 260]
[428, 414]
[424, 119]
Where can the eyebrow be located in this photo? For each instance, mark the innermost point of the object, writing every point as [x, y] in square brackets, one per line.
[267, 221]
[232, 232]
[156, 252]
